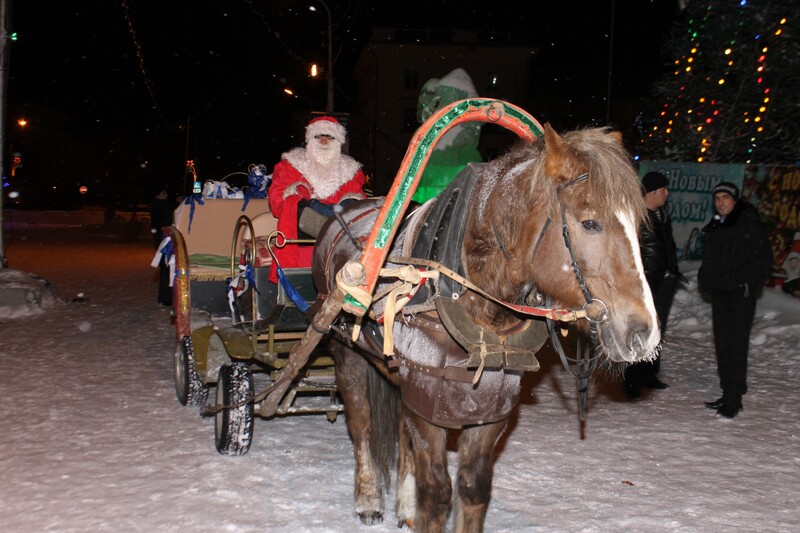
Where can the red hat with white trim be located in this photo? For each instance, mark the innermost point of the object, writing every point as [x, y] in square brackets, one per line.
[327, 126]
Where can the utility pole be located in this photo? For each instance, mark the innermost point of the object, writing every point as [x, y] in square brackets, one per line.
[329, 73]
[5, 8]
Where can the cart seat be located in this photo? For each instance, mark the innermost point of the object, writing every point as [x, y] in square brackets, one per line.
[261, 257]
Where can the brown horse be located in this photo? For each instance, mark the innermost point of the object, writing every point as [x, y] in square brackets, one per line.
[551, 222]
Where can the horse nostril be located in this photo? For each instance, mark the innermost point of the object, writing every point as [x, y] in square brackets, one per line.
[637, 333]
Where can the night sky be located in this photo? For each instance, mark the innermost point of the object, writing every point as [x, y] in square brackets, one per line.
[119, 93]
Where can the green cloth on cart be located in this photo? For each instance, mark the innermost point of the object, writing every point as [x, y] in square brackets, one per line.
[210, 261]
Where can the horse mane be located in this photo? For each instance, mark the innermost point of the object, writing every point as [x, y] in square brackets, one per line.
[613, 182]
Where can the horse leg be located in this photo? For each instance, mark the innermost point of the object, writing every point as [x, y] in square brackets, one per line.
[427, 446]
[475, 468]
[406, 503]
[351, 381]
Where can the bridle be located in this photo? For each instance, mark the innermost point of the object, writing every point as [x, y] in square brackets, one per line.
[585, 361]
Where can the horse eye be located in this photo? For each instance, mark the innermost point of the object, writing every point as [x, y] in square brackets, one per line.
[592, 225]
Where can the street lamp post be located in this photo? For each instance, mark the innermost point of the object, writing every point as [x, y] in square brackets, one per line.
[329, 106]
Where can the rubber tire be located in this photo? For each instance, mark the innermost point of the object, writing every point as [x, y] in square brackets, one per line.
[189, 388]
[233, 426]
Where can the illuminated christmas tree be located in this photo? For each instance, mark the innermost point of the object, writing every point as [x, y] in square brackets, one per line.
[732, 93]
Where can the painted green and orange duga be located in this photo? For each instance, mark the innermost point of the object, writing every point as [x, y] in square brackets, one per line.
[405, 183]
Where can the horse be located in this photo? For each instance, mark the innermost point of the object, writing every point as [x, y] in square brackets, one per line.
[448, 352]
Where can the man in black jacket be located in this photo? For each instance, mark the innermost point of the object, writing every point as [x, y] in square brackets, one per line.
[660, 262]
[737, 257]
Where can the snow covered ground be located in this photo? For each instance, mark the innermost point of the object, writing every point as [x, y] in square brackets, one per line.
[93, 438]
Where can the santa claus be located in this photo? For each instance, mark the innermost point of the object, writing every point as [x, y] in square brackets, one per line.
[316, 177]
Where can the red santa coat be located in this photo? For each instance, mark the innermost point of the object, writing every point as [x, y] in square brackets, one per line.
[297, 177]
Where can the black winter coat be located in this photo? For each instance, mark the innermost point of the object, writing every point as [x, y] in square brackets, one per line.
[737, 254]
[657, 245]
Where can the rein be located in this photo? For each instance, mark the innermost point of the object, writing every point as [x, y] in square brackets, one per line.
[562, 315]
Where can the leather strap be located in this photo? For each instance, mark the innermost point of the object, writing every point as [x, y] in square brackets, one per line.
[562, 315]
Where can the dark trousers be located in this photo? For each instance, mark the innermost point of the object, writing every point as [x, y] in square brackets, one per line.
[663, 290]
[164, 290]
[732, 316]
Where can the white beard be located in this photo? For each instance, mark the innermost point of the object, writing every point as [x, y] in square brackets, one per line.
[324, 154]
[325, 170]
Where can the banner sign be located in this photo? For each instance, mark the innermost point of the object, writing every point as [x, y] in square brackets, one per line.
[775, 191]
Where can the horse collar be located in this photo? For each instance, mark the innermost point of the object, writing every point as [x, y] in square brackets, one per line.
[443, 232]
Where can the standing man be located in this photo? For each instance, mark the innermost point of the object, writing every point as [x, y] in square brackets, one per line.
[318, 177]
[657, 247]
[737, 258]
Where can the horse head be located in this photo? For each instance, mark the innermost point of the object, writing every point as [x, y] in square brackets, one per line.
[578, 243]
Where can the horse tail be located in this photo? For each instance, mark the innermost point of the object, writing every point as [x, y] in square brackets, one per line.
[384, 401]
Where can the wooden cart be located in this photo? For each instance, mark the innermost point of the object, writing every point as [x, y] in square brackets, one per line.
[230, 340]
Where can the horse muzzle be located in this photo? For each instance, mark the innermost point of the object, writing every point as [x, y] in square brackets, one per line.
[630, 340]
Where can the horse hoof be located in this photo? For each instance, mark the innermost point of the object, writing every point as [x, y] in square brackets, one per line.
[407, 522]
[371, 518]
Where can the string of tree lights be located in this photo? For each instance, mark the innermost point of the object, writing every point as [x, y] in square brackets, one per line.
[731, 94]
[140, 59]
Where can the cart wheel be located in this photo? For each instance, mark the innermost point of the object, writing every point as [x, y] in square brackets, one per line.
[245, 305]
[189, 388]
[233, 423]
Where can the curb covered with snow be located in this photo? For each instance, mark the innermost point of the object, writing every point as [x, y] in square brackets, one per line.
[24, 294]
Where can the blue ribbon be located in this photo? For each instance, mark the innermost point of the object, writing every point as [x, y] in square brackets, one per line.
[191, 200]
[291, 292]
[250, 275]
[258, 184]
[167, 250]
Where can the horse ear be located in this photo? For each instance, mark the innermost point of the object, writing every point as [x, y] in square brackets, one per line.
[616, 135]
[554, 149]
